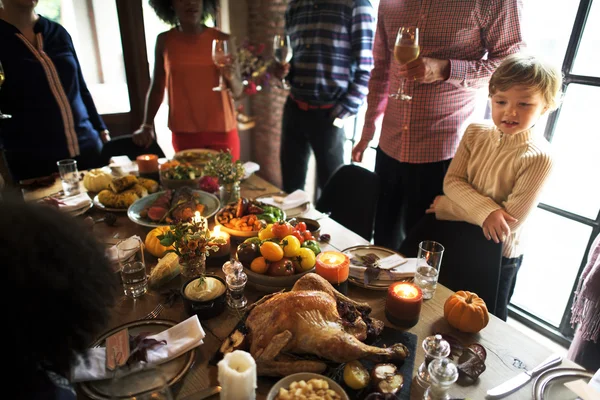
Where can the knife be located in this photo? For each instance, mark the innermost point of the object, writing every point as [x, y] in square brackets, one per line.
[203, 394]
[518, 381]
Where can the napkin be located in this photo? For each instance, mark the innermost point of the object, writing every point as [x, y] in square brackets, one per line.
[288, 202]
[130, 244]
[250, 168]
[73, 203]
[180, 339]
[405, 270]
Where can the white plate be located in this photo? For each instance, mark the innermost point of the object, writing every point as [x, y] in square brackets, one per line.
[306, 376]
[550, 385]
[81, 211]
[292, 212]
[104, 208]
[174, 370]
[381, 252]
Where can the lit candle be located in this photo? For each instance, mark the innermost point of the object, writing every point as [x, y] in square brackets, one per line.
[237, 376]
[147, 163]
[197, 218]
[333, 266]
[403, 303]
[224, 249]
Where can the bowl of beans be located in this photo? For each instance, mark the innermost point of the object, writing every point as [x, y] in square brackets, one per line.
[306, 385]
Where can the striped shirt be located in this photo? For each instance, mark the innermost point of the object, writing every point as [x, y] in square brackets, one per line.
[332, 42]
[492, 170]
[475, 35]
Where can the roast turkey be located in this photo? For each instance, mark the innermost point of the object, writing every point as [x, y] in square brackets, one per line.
[307, 320]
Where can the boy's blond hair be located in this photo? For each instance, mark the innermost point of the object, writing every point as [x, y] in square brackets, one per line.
[527, 70]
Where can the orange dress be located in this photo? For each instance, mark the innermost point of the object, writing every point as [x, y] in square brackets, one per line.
[198, 116]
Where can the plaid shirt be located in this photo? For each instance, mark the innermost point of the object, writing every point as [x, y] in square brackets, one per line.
[475, 35]
[332, 41]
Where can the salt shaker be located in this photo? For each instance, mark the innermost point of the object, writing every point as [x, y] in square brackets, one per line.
[435, 347]
[236, 280]
[442, 374]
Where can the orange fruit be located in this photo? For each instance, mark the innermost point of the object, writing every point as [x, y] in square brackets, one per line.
[259, 265]
[271, 251]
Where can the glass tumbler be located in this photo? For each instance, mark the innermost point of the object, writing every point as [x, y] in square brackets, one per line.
[429, 261]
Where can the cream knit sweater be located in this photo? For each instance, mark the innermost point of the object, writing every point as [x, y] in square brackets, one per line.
[492, 170]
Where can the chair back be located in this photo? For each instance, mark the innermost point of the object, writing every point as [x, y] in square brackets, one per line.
[124, 146]
[350, 195]
[470, 261]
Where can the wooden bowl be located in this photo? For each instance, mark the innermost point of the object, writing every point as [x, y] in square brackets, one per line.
[270, 284]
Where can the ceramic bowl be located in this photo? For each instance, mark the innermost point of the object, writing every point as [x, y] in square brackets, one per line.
[306, 376]
[205, 309]
[268, 283]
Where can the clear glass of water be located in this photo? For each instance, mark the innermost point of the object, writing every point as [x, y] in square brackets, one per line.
[429, 261]
[69, 175]
[133, 266]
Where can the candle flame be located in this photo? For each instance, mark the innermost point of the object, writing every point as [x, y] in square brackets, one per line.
[197, 217]
[406, 291]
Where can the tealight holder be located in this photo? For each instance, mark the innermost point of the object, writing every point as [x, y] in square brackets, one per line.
[236, 280]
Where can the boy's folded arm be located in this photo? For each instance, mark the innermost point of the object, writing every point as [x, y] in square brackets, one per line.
[530, 181]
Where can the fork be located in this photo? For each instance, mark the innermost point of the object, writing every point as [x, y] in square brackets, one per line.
[156, 312]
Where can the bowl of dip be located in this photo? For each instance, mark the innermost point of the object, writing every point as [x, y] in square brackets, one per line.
[204, 296]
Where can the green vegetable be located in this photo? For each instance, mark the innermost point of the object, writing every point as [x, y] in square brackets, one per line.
[269, 217]
[313, 245]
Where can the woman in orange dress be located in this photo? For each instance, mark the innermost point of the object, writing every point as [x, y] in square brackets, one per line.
[198, 116]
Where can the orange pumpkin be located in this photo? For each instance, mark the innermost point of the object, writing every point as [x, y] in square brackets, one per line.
[153, 244]
[466, 312]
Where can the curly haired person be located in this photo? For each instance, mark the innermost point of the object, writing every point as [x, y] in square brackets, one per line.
[63, 288]
[199, 117]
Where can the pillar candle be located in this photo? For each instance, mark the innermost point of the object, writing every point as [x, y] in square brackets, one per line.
[333, 266]
[403, 303]
[237, 376]
[147, 163]
[224, 249]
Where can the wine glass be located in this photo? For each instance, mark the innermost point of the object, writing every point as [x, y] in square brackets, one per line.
[3, 116]
[406, 50]
[222, 58]
[282, 52]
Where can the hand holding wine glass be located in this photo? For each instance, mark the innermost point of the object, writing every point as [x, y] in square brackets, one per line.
[3, 116]
[282, 52]
[222, 58]
[406, 50]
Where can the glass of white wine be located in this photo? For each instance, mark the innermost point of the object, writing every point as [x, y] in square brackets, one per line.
[222, 58]
[3, 116]
[406, 50]
[282, 52]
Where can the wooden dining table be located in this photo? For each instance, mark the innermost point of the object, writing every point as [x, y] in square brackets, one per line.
[509, 351]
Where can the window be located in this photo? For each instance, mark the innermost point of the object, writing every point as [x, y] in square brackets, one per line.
[101, 60]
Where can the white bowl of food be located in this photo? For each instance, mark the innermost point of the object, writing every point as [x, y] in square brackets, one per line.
[307, 383]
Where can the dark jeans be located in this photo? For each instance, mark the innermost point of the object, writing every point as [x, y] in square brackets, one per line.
[406, 191]
[301, 131]
[508, 278]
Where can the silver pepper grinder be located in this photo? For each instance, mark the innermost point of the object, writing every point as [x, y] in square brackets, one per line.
[236, 280]
[443, 373]
[434, 347]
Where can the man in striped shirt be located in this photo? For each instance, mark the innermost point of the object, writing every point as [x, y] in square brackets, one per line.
[462, 42]
[332, 44]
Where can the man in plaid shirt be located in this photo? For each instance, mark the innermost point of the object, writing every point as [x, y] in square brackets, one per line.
[462, 42]
[332, 43]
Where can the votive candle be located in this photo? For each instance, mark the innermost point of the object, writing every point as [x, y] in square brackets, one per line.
[403, 303]
[147, 163]
[224, 249]
[333, 266]
[237, 376]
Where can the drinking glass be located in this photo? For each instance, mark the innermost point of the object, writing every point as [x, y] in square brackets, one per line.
[282, 52]
[2, 78]
[69, 176]
[406, 50]
[147, 383]
[133, 268]
[222, 58]
[429, 261]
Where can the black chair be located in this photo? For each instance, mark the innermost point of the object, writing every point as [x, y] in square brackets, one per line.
[470, 261]
[124, 146]
[350, 195]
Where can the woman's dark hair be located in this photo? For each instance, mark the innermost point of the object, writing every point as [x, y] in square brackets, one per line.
[165, 11]
[62, 287]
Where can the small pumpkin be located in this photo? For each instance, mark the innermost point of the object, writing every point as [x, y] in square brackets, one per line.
[466, 312]
[152, 242]
[96, 180]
